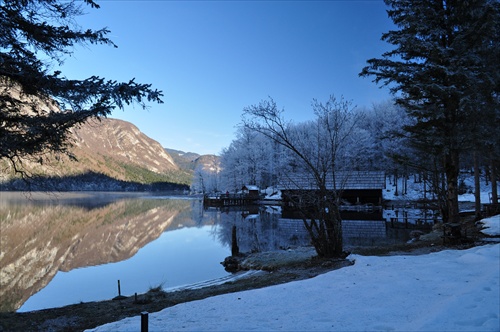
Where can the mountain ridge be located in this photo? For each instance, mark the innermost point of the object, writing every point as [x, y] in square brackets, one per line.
[109, 154]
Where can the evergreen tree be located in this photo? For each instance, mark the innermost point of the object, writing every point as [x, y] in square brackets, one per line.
[445, 68]
[38, 104]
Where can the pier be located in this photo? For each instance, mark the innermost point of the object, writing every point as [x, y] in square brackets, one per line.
[230, 200]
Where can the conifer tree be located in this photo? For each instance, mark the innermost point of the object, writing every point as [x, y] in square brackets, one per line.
[444, 70]
[38, 104]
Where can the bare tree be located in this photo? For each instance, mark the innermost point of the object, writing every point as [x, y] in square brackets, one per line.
[318, 150]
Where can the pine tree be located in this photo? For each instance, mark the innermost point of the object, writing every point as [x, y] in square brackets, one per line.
[38, 104]
[444, 70]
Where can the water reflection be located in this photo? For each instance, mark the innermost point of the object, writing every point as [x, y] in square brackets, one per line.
[260, 229]
[264, 228]
[67, 248]
[178, 257]
[43, 235]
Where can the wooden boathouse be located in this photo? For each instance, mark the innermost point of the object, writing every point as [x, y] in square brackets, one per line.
[356, 188]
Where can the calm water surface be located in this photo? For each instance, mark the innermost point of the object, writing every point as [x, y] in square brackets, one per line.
[74, 247]
[176, 258]
[71, 248]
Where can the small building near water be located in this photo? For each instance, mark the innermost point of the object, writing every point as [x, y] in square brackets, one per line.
[250, 191]
[354, 187]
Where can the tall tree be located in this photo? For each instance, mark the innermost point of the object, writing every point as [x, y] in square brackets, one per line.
[38, 104]
[317, 150]
[443, 65]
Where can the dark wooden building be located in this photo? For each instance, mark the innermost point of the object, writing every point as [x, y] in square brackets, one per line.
[354, 187]
[250, 191]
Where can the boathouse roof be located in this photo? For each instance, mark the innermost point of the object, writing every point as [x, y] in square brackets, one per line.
[250, 187]
[345, 180]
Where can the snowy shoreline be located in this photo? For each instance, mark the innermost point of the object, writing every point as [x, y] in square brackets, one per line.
[450, 290]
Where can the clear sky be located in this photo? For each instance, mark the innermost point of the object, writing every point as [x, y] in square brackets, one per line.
[213, 58]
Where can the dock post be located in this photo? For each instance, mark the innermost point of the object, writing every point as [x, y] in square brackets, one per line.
[144, 321]
[235, 250]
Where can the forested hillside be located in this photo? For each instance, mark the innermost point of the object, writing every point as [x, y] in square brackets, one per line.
[108, 154]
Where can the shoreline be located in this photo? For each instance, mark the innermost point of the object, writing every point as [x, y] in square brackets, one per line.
[280, 267]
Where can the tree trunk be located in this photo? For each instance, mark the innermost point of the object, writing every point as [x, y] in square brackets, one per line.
[396, 182]
[424, 180]
[477, 187]
[324, 226]
[494, 190]
[451, 166]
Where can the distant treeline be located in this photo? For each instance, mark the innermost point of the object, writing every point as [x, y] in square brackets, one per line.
[90, 181]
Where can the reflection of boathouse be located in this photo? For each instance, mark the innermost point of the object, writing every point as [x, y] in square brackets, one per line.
[357, 188]
[355, 232]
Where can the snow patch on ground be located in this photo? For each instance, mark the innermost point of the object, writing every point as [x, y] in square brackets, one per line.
[278, 258]
[491, 225]
[218, 281]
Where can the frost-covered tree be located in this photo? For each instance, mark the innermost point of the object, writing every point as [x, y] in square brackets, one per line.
[444, 65]
[383, 122]
[35, 38]
[316, 150]
[248, 160]
[206, 177]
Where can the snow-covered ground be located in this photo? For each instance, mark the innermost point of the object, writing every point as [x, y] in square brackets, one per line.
[451, 290]
[415, 190]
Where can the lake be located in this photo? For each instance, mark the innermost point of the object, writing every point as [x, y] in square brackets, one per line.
[66, 248]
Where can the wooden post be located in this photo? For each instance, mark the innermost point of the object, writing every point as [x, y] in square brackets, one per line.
[144, 321]
[119, 297]
[235, 250]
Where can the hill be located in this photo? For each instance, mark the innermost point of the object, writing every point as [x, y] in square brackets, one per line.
[190, 161]
[109, 154]
[208, 163]
[185, 160]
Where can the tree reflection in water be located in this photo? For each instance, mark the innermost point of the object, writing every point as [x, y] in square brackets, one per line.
[43, 234]
[259, 229]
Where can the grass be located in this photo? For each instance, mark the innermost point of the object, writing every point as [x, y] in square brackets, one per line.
[156, 289]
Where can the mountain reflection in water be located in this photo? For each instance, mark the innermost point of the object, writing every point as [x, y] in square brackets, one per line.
[42, 235]
[68, 248]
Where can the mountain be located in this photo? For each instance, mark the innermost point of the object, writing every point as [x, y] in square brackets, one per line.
[110, 154]
[185, 160]
[121, 143]
[190, 161]
[209, 163]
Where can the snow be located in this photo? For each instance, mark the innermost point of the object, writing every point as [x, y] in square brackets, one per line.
[491, 225]
[415, 190]
[451, 290]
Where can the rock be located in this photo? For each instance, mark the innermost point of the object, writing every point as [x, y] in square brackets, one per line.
[231, 264]
[416, 234]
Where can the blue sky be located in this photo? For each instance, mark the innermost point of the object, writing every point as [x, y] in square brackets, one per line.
[213, 58]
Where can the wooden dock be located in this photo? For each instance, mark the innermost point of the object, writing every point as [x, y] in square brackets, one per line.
[230, 200]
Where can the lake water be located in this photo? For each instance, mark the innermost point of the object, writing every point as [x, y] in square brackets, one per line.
[59, 249]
